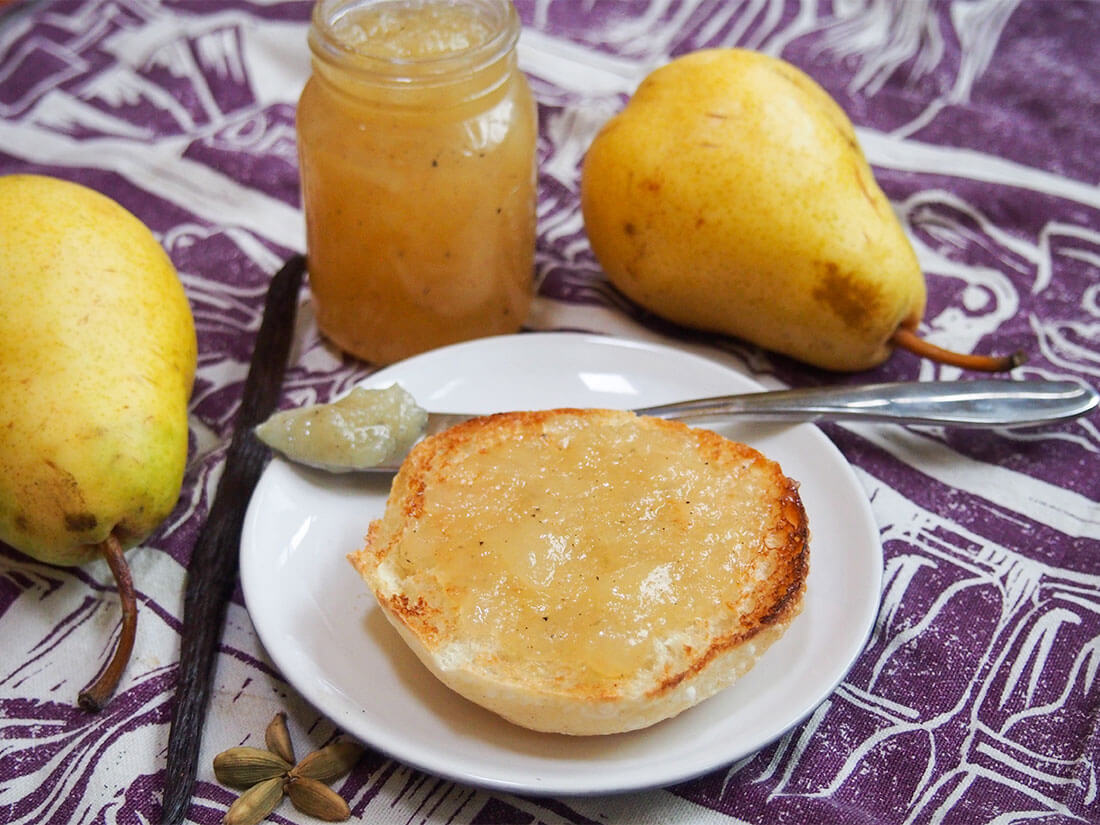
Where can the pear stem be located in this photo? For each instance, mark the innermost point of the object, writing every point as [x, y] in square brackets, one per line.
[95, 696]
[909, 340]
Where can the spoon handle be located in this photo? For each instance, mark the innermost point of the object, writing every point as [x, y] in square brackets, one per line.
[983, 403]
[977, 404]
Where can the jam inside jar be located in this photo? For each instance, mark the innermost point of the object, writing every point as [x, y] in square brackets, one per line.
[416, 140]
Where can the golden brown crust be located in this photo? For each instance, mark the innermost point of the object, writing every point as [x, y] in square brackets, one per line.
[497, 532]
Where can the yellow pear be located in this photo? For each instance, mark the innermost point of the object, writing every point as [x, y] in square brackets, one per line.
[97, 359]
[731, 195]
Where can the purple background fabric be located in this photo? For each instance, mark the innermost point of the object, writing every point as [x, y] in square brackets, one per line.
[976, 698]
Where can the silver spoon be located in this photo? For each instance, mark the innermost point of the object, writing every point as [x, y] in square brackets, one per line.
[974, 404]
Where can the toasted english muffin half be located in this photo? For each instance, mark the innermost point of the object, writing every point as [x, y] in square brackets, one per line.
[587, 571]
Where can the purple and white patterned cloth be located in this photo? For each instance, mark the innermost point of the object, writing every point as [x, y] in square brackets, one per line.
[976, 699]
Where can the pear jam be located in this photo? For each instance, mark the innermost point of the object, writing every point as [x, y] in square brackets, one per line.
[416, 137]
[361, 430]
[584, 543]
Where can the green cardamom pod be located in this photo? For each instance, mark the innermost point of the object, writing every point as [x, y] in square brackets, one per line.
[277, 738]
[243, 767]
[253, 806]
[317, 799]
[328, 763]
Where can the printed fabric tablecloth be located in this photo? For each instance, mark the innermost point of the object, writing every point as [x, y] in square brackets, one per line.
[976, 697]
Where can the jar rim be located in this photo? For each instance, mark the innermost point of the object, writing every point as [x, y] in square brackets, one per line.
[326, 45]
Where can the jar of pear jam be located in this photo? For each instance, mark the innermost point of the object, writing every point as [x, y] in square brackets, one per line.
[417, 135]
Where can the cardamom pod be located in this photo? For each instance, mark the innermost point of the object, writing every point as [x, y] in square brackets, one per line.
[253, 806]
[328, 763]
[243, 767]
[317, 799]
[277, 738]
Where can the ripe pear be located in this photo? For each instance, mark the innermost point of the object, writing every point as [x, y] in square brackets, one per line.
[731, 195]
[97, 360]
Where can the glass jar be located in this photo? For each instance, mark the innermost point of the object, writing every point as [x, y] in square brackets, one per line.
[417, 136]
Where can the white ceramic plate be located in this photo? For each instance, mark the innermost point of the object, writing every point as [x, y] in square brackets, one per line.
[325, 632]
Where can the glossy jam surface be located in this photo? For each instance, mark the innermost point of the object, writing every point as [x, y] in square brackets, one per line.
[418, 179]
[363, 429]
[589, 544]
[411, 31]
